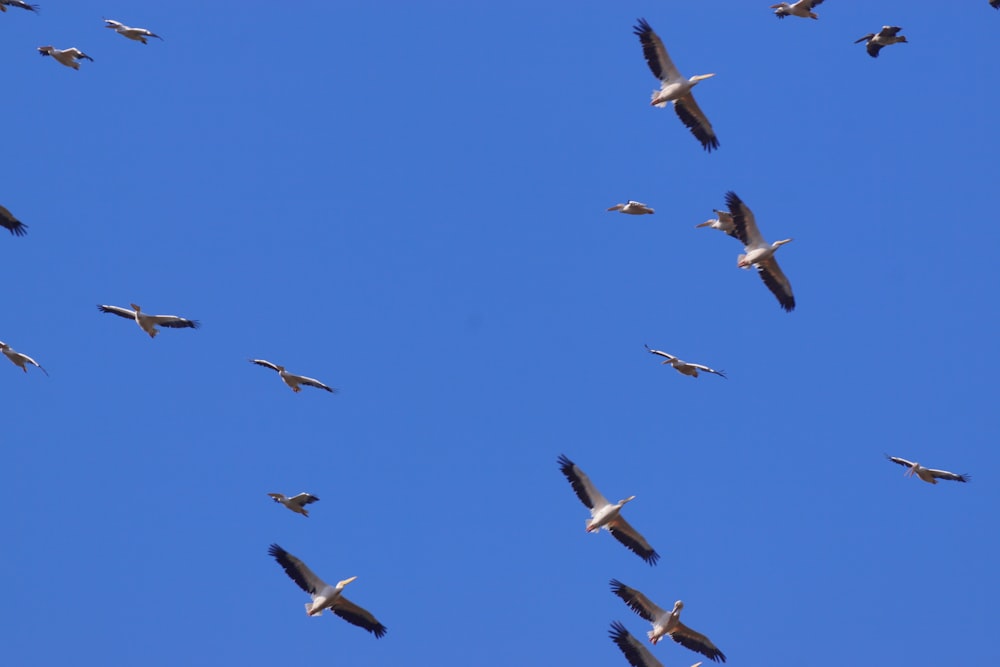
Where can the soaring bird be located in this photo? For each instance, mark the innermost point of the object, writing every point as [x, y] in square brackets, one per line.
[67, 57]
[995, 4]
[722, 221]
[683, 367]
[292, 381]
[12, 224]
[927, 474]
[875, 41]
[148, 323]
[632, 208]
[137, 34]
[636, 654]
[758, 253]
[18, 359]
[605, 515]
[675, 88]
[802, 9]
[323, 595]
[295, 503]
[667, 623]
[17, 3]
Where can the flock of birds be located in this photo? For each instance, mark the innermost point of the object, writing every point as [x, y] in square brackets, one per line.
[738, 222]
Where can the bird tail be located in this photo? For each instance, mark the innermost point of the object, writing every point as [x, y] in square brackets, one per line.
[653, 97]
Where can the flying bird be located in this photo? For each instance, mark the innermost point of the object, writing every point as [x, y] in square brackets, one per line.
[12, 224]
[802, 9]
[604, 514]
[323, 595]
[675, 88]
[683, 367]
[667, 623]
[17, 3]
[137, 34]
[723, 222]
[632, 208]
[874, 42]
[758, 253]
[636, 654]
[148, 323]
[292, 381]
[18, 359]
[995, 4]
[295, 503]
[67, 57]
[927, 474]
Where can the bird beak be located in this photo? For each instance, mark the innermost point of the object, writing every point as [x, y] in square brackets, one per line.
[706, 76]
[345, 582]
[134, 307]
[705, 224]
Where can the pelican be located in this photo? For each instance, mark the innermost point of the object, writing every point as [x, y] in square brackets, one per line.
[683, 367]
[802, 9]
[148, 323]
[67, 57]
[759, 253]
[137, 34]
[18, 359]
[722, 221]
[604, 514]
[17, 3]
[325, 596]
[884, 37]
[667, 622]
[995, 4]
[927, 474]
[675, 88]
[295, 503]
[292, 381]
[632, 208]
[636, 654]
[12, 224]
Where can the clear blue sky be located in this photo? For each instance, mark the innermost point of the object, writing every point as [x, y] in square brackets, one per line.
[407, 201]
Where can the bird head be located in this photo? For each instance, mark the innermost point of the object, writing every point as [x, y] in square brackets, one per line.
[276, 497]
[45, 50]
[778, 244]
[341, 584]
[707, 223]
[701, 77]
[626, 500]
[913, 469]
[135, 308]
[678, 606]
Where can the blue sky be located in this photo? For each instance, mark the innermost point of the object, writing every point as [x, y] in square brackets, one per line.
[407, 201]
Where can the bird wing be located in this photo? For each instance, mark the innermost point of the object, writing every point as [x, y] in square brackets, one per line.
[358, 616]
[865, 38]
[776, 281]
[12, 224]
[889, 31]
[721, 374]
[22, 5]
[303, 499]
[297, 570]
[277, 496]
[116, 310]
[636, 654]
[697, 642]
[636, 601]
[631, 538]
[669, 357]
[873, 48]
[584, 488]
[944, 474]
[656, 54]
[174, 322]
[745, 225]
[33, 363]
[263, 362]
[311, 382]
[692, 116]
[902, 462]
[114, 24]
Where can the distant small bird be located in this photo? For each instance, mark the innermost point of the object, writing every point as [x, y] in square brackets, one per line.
[295, 503]
[67, 57]
[632, 208]
[12, 224]
[323, 595]
[802, 9]
[18, 359]
[683, 367]
[292, 381]
[148, 323]
[884, 37]
[17, 3]
[927, 474]
[723, 222]
[137, 34]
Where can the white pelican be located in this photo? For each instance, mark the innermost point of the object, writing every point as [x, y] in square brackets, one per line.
[604, 514]
[17, 3]
[884, 37]
[759, 253]
[632, 208]
[636, 654]
[295, 503]
[683, 367]
[67, 57]
[723, 222]
[927, 474]
[137, 34]
[148, 323]
[667, 622]
[12, 224]
[802, 9]
[323, 595]
[292, 381]
[675, 88]
[18, 359]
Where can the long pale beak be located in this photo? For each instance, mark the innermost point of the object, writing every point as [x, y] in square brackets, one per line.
[705, 224]
[341, 584]
[629, 499]
[702, 77]
[134, 307]
[785, 241]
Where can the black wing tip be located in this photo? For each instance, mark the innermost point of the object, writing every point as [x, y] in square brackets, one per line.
[564, 462]
[276, 551]
[379, 631]
[642, 27]
[618, 630]
[18, 228]
[652, 557]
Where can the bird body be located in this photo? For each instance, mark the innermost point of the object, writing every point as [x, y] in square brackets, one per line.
[293, 381]
[67, 57]
[12, 224]
[632, 208]
[295, 503]
[683, 367]
[875, 41]
[802, 9]
[18, 359]
[148, 323]
[136, 34]
[758, 253]
[929, 475]
[723, 222]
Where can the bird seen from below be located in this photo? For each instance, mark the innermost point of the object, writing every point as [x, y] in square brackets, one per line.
[929, 475]
[295, 503]
[291, 380]
[148, 323]
[67, 57]
[758, 253]
[683, 367]
[876, 41]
